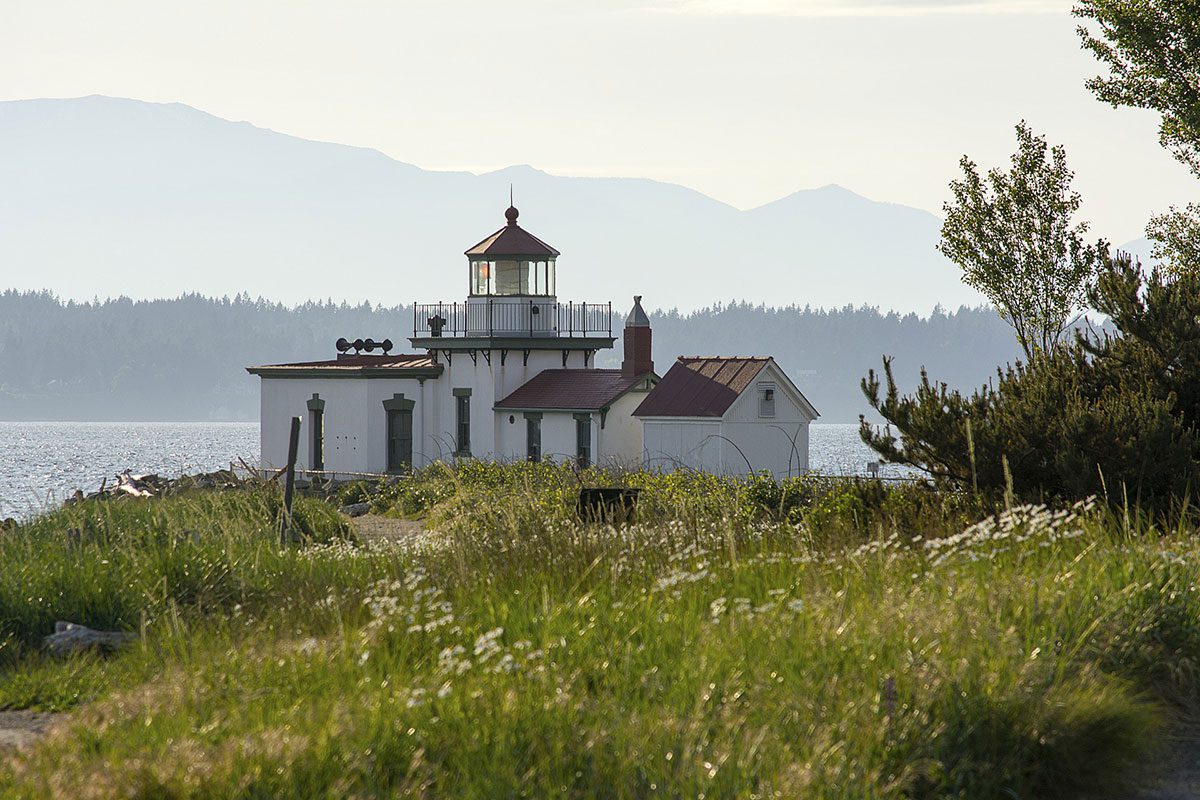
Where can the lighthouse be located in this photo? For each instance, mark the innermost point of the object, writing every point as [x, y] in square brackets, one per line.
[509, 373]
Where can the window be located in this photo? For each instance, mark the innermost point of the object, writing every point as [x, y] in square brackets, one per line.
[766, 399]
[481, 277]
[462, 421]
[512, 277]
[316, 424]
[533, 437]
[583, 439]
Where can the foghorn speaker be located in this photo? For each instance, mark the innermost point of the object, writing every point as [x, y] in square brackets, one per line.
[386, 345]
[342, 345]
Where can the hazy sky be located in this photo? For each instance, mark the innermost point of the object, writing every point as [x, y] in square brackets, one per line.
[745, 100]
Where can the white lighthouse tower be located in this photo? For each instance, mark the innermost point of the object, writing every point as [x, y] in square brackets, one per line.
[511, 328]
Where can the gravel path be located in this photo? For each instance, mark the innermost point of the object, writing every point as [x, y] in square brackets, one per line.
[19, 728]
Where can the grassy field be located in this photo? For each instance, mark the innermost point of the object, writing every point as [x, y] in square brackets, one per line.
[813, 639]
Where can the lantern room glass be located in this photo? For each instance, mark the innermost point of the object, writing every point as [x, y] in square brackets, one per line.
[512, 277]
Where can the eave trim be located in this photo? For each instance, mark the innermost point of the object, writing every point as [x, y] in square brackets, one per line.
[345, 372]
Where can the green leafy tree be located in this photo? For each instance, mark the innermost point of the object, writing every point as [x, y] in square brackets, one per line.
[1176, 236]
[1013, 235]
[1152, 51]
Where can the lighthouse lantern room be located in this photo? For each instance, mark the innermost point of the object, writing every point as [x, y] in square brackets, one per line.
[512, 283]
[512, 291]
[512, 263]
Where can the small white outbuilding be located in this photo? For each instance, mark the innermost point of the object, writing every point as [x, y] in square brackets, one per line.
[727, 415]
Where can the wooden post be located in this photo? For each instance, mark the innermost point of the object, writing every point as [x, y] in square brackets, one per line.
[289, 487]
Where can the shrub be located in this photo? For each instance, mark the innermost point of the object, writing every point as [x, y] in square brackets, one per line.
[1110, 415]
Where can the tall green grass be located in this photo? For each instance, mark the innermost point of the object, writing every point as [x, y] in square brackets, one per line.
[719, 653]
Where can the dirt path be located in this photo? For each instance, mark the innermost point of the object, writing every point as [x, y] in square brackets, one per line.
[20, 728]
[1180, 774]
[373, 528]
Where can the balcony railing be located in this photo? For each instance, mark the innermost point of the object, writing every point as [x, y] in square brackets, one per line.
[512, 316]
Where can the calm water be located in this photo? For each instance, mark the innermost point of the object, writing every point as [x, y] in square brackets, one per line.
[43, 462]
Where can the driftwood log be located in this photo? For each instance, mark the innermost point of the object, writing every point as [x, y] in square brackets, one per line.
[128, 484]
[71, 638]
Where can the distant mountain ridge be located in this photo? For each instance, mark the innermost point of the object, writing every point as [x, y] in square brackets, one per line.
[105, 197]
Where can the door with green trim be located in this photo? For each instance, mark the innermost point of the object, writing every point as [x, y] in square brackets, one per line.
[400, 440]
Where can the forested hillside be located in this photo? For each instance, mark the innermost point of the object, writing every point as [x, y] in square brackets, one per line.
[183, 358]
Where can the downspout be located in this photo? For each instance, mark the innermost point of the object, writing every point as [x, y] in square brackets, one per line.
[419, 457]
[600, 434]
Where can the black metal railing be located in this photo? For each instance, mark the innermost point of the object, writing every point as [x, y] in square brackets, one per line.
[512, 317]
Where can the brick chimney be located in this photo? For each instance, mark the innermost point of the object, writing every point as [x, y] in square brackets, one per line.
[638, 360]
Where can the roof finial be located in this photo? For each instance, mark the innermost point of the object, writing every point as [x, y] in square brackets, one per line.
[512, 213]
[637, 316]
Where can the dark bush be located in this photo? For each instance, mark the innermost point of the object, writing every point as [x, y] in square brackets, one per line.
[1113, 415]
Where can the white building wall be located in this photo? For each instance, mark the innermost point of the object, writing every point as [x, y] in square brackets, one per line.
[346, 436]
[558, 435]
[778, 444]
[460, 372]
[354, 418]
[692, 443]
[778, 447]
[489, 383]
[621, 442]
[510, 436]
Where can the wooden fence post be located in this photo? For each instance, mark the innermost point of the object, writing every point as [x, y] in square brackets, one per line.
[285, 521]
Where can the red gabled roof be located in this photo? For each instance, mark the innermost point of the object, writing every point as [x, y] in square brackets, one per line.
[701, 386]
[571, 390]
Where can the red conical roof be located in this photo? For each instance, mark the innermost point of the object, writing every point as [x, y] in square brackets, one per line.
[512, 241]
